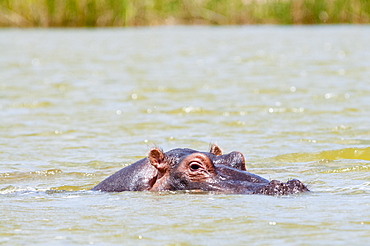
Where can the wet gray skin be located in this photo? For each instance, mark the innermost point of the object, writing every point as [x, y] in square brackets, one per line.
[187, 169]
[141, 175]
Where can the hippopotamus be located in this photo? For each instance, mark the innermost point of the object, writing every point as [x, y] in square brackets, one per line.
[188, 169]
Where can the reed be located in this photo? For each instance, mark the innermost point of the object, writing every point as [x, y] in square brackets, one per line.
[107, 13]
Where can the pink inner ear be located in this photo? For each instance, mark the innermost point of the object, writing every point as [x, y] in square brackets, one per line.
[215, 150]
[155, 156]
[157, 159]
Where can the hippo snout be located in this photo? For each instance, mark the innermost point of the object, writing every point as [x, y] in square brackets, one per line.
[277, 188]
[296, 186]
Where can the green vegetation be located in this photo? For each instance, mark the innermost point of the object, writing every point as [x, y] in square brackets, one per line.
[104, 13]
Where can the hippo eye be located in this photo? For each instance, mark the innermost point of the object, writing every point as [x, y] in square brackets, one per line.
[194, 166]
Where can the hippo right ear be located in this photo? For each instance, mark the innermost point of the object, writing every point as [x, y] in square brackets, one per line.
[215, 150]
[158, 159]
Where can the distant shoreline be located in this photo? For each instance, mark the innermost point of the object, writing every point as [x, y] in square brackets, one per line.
[125, 13]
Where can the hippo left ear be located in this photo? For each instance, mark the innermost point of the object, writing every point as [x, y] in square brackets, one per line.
[158, 159]
[215, 150]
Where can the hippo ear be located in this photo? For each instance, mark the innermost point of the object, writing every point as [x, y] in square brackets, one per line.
[215, 150]
[158, 159]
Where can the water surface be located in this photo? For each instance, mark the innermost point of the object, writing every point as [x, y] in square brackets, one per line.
[76, 105]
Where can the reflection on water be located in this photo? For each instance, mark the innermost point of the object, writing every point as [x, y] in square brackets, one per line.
[78, 105]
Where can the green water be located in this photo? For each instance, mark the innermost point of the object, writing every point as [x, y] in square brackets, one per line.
[77, 105]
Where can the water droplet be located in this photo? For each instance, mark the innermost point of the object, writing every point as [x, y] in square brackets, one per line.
[134, 96]
[341, 72]
[35, 62]
[240, 123]
[329, 95]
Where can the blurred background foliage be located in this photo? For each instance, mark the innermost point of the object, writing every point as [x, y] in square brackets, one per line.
[107, 13]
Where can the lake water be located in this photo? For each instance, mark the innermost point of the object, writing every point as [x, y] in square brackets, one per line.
[76, 105]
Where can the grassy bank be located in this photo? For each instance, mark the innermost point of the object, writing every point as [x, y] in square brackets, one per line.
[103, 13]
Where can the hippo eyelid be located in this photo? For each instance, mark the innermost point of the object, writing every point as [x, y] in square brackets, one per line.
[194, 166]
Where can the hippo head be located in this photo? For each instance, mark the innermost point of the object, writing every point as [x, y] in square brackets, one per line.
[188, 169]
[209, 172]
